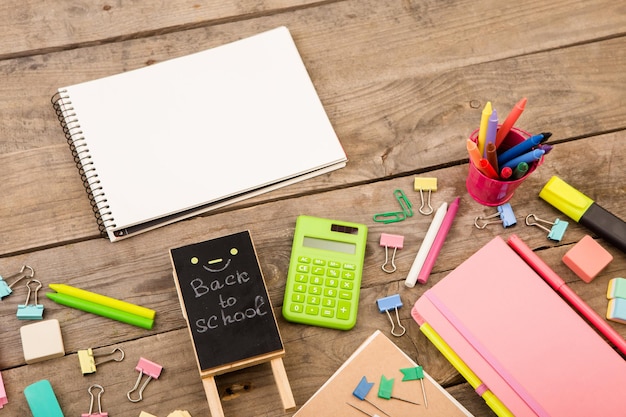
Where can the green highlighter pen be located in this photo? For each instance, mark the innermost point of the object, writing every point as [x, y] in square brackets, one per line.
[100, 310]
[585, 211]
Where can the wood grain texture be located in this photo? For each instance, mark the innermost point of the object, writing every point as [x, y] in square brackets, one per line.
[403, 82]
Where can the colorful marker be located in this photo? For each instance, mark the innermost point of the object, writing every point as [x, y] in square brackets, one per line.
[510, 120]
[474, 154]
[492, 157]
[506, 172]
[486, 168]
[492, 128]
[528, 157]
[585, 211]
[482, 131]
[520, 170]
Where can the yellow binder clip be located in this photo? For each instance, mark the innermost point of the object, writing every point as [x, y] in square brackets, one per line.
[425, 184]
[87, 360]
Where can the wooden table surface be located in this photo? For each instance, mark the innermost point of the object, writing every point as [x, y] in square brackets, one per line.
[403, 82]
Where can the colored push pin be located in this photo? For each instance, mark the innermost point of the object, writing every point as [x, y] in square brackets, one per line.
[425, 184]
[391, 241]
[557, 230]
[30, 311]
[393, 302]
[99, 413]
[411, 374]
[385, 389]
[87, 360]
[361, 391]
[505, 212]
[144, 366]
[6, 289]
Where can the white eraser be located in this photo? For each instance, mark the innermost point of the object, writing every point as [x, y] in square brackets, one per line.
[42, 340]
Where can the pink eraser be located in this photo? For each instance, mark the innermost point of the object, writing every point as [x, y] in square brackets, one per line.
[587, 258]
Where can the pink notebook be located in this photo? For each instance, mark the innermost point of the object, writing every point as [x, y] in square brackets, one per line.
[526, 344]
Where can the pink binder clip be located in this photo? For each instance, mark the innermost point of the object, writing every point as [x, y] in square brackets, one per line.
[391, 241]
[91, 412]
[144, 366]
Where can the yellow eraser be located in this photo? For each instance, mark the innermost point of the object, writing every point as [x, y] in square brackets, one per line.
[425, 184]
[179, 413]
[144, 414]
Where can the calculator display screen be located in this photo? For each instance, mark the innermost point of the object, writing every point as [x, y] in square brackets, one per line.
[345, 247]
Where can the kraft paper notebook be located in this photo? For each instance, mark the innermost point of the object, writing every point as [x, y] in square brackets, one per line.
[521, 340]
[378, 356]
[184, 136]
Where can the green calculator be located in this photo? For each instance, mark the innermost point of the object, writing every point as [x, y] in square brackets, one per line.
[324, 278]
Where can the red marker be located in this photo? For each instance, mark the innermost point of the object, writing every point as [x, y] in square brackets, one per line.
[510, 121]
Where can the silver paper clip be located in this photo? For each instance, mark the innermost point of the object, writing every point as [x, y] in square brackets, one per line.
[145, 367]
[30, 311]
[87, 360]
[557, 230]
[505, 212]
[6, 289]
[91, 403]
[391, 241]
[392, 302]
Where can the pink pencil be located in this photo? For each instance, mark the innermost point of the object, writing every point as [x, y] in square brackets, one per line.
[433, 253]
[558, 284]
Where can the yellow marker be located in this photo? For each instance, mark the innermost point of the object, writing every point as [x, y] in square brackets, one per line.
[104, 300]
[490, 399]
[482, 131]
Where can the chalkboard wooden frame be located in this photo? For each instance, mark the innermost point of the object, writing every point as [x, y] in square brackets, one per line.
[229, 315]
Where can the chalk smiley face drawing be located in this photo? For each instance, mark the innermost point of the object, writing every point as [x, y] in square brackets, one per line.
[216, 261]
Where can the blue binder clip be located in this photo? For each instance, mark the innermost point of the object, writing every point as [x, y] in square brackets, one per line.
[505, 212]
[30, 311]
[557, 230]
[6, 289]
[393, 302]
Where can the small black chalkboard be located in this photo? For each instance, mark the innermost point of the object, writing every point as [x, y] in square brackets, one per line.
[225, 302]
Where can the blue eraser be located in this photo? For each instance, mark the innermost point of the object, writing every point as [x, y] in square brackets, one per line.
[616, 310]
[41, 400]
[389, 303]
[617, 288]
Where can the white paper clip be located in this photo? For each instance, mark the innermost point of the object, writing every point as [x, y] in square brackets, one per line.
[3, 393]
[392, 302]
[145, 367]
[557, 230]
[30, 311]
[425, 184]
[91, 403]
[391, 241]
[6, 289]
[87, 360]
[505, 212]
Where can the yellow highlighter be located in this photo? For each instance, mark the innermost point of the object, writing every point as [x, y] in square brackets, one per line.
[490, 399]
[482, 131]
[104, 300]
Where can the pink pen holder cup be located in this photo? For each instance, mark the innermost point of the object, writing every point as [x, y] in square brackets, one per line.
[492, 192]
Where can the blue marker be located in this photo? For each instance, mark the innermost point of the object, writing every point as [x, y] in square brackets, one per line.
[523, 147]
[528, 157]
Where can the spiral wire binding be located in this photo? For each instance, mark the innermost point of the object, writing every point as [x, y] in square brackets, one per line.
[82, 158]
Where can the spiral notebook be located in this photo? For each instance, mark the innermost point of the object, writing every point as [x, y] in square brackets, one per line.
[185, 136]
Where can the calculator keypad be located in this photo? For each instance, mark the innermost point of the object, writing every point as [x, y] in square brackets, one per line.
[324, 289]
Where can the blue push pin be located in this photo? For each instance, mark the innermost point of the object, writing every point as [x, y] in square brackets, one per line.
[361, 391]
[393, 302]
[30, 311]
[5, 289]
[557, 230]
[505, 212]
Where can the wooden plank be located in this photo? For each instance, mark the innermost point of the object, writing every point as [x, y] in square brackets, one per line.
[49, 212]
[68, 24]
[140, 269]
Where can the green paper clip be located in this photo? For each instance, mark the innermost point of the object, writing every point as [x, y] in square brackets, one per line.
[405, 204]
[389, 217]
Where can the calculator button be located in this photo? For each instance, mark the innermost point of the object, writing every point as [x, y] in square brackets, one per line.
[299, 288]
[332, 282]
[345, 295]
[302, 278]
[347, 275]
[351, 267]
[303, 269]
[304, 259]
[329, 302]
[343, 310]
[330, 292]
[317, 280]
[347, 285]
[315, 290]
[312, 310]
[320, 262]
[317, 270]
[333, 273]
[297, 298]
[328, 312]
[313, 299]
[297, 308]
[334, 264]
